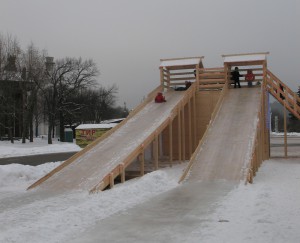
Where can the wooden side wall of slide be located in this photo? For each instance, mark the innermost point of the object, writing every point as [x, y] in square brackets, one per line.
[149, 98]
[201, 110]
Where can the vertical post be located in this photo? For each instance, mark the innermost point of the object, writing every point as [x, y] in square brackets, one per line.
[161, 69]
[190, 128]
[179, 135]
[169, 79]
[226, 71]
[195, 121]
[171, 142]
[111, 180]
[285, 134]
[295, 102]
[266, 130]
[142, 163]
[197, 77]
[183, 134]
[156, 152]
[122, 173]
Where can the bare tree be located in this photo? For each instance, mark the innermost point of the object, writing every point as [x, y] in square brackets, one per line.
[32, 72]
[9, 78]
[64, 78]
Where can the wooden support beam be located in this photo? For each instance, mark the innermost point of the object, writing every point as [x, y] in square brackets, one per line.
[156, 144]
[285, 130]
[179, 135]
[122, 173]
[190, 128]
[171, 142]
[168, 79]
[111, 180]
[161, 76]
[195, 122]
[183, 134]
[142, 163]
[197, 76]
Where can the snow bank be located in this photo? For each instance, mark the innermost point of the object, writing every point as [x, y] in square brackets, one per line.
[21, 176]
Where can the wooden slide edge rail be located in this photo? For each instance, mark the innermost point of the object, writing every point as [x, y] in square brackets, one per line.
[257, 145]
[108, 180]
[214, 114]
[149, 98]
[283, 94]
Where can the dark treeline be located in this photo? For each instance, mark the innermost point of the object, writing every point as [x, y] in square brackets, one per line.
[34, 89]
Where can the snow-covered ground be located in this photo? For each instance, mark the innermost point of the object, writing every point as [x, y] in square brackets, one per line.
[39, 146]
[266, 211]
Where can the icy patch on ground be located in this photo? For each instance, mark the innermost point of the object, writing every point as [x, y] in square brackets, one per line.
[266, 211]
[55, 218]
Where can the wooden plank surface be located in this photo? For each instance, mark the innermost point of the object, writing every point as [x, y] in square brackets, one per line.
[88, 169]
[226, 151]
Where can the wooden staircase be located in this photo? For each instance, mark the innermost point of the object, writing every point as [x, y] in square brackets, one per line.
[211, 78]
[283, 94]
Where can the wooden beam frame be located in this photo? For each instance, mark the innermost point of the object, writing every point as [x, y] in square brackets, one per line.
[171, 142]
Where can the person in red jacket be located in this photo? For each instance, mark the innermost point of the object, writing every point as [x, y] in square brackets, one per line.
[249, 77]
[159, 98]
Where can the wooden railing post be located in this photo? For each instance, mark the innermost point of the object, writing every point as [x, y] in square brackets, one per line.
[142, 163]
[156, 144]
[183, 134]
[194, 121]
[285, 132]
[179, 134]
[190, 127]
[171, 142]
[122, 173]
[111, 180]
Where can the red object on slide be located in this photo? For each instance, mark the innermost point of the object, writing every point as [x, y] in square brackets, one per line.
[159, 98]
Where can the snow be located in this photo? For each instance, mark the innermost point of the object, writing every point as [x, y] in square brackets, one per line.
[96, 126]
[244, 58]
[39, 146]
[180, 62]
[118, 120]
[265, 211]
[57, 218]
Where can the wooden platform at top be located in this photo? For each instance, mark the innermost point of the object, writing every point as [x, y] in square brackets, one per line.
[226, 151]
[91, 167]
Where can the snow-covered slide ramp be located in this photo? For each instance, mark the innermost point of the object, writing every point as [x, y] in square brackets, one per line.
[226, 151]
[89, 169]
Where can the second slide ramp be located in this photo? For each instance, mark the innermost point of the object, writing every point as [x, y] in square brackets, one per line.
[91, 167]
[226, 151]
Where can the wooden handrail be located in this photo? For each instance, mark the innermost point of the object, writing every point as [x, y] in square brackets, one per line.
[256, 158]
[283, 94]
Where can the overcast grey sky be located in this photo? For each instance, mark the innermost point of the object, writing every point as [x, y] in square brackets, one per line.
[127, 38]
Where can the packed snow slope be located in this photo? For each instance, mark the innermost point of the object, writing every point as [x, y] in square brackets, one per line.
[227, 148]
[90, 168]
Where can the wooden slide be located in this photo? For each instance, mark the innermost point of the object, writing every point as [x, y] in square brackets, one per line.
[226, 150]
[91, 167]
